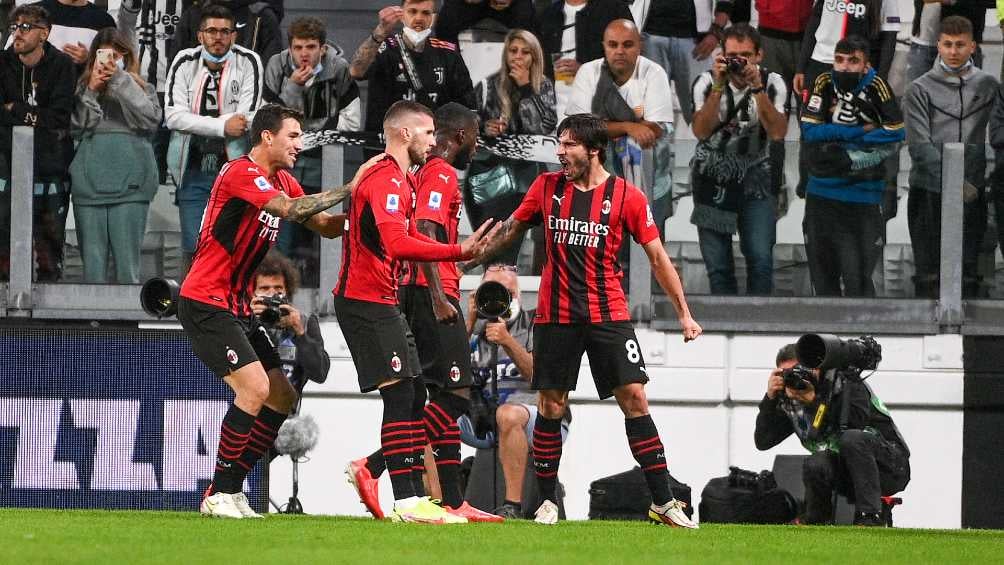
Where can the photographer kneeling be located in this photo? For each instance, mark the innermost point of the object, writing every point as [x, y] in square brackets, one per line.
[517, 402]
[297, 338]
[856, 451]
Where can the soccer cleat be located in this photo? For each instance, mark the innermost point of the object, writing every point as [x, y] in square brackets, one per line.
[671, 514]
[366, 486]
[437, 506]
[472, 514]
[509, 512]
[241, 502]
[220, 505]
[421, 511]
[547, 514]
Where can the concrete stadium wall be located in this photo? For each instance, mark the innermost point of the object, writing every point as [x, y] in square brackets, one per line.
[703, 397]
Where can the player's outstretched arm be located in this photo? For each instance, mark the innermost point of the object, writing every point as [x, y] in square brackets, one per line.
[302, 208]
[671, 284]
[501, 237]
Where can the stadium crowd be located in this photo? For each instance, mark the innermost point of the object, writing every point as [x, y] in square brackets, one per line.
[166, 92]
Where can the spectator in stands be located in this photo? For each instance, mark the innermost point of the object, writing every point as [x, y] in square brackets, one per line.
[570, 33]
[256, 24]
[74, 25]
[858, 450]
[150, 26]
[681, 35]
[632, 94]
[458, 15]
[927, 18]
[114, 172]
[517, 99]
[36, 90]
[952, 102]
[851, 124]
[409, 65]
[739, 111]
[296, 335]
[313, 77]
[782, 28]
[517, 402]
[208, 119]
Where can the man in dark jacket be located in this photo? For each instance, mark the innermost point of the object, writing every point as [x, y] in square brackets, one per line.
[952, 102]
[857, 451]
[36, 90]
[458, 15]
[256, 22]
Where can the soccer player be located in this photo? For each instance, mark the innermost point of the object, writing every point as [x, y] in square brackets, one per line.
[380, 233]
[581, 307]
[430, 301]
[241, 223]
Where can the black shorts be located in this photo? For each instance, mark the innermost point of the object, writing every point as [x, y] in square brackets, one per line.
[443, 349]
[615, 357]
[378, 339]
[224, 342]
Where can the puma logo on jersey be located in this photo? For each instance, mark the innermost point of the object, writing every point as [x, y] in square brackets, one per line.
[446, 178]
[558, 198]
[850, 8]
[396, 182]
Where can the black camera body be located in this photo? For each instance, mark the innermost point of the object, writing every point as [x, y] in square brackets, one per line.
[798, 377]
[271, 314]
[735, 65]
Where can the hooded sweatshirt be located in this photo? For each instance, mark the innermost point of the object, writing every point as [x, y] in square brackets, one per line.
[942, 107]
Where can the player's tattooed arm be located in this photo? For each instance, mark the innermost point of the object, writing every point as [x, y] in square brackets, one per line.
[511, 231]
[304, 207]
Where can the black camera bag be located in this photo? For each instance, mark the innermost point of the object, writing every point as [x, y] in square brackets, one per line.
[746, 497]
[625, 496]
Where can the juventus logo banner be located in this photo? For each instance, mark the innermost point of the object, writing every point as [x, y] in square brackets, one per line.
[537, 148]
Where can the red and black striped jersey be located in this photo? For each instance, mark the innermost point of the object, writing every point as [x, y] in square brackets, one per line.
[583, 231]
[384, 194]
[236, 234]
[438, 199]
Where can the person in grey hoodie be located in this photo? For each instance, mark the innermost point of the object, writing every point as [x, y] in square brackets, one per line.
[114, 171]
[950, 103]
[311, 76]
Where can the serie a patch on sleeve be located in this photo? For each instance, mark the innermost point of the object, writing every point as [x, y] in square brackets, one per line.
[435, 200]
[262, 184]
[393, 203]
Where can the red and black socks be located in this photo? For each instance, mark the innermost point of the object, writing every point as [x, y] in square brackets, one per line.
[234, 434]
[418, 436]
[443, 433]
[648, 451]
[395, 437]
[547, 455]
[263, 433]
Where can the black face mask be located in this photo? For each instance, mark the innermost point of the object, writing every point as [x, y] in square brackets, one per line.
[846, 81]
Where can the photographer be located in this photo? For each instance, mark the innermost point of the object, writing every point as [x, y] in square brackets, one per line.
[517, 409]
[857, 452]
[739, 112]
[297, 337]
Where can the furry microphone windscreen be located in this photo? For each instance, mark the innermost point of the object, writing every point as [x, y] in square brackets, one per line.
[297, 436]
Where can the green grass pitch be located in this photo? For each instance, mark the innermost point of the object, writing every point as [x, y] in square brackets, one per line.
[112, 537]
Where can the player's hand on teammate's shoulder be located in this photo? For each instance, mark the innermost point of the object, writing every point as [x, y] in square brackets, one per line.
[691, 329]
[365, 167]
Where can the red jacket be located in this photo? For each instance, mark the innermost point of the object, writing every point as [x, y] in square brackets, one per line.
[789, 16]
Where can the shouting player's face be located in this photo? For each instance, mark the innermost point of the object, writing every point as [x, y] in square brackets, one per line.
[423, 139]
[573, 156]
[286, 144]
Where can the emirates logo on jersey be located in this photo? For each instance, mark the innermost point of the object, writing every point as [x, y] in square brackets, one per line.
[572, 231]
[853, 9]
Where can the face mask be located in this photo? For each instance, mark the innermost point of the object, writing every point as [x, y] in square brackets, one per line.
[120, 63]
[955, 70]
[210, 58]
[513, 310]
[417, 37]
[846, 81]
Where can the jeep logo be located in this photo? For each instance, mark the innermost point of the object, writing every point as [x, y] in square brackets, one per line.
[850, 8]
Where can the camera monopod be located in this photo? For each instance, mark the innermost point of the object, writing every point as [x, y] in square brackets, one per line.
[492, 300]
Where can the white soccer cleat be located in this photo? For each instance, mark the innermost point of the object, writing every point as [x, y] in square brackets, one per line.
[547, 514]
[220, 505]
[671, 514]
[241, 502]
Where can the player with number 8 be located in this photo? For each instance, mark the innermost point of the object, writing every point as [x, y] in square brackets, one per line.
[581, 308]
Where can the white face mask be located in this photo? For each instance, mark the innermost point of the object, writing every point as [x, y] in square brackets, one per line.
[417, 37]
[206, 55]
[955, 70]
